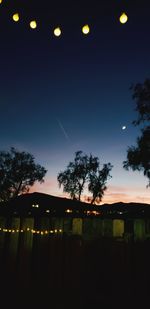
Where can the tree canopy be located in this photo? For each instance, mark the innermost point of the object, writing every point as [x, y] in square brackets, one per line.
[138, 158]
[97, 183]
[18, 172]
[141, 94]
[84, 170]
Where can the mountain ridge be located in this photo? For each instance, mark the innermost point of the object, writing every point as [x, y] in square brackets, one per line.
[41, 204]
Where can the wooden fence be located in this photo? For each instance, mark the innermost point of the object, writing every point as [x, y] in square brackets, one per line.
[41, 265]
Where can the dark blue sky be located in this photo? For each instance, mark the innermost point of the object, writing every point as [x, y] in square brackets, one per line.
[60, 95]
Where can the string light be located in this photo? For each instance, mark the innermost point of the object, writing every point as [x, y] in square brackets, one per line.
[15, 17]
[43, 232]
[33, 24]
[57, 31]
[123, 18]
[85, 29]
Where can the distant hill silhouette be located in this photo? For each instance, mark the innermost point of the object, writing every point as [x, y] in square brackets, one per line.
[39, 204]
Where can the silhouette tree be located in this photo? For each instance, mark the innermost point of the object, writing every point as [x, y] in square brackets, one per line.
[138, 158]
[141, 94]
[98, 180]
[83, 170]
[18, 172]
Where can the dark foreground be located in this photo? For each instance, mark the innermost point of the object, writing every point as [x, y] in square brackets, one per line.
[71, 273]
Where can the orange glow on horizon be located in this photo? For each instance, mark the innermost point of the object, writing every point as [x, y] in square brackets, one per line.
[113, 194]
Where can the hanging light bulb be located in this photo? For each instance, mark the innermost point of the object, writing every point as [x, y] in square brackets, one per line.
[33, 24]
[57, 31]
[15, 17]
[123, 18]
[85, 29]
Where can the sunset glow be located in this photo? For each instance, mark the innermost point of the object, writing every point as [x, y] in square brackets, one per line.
[113, 194]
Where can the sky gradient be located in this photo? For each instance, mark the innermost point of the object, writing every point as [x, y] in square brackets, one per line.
[64, 94]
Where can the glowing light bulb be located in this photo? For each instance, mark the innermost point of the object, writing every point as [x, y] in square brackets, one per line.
[1, 1]
[123, 18]
[15, 17]
[86, 29]
[33, 24]
[57, 31]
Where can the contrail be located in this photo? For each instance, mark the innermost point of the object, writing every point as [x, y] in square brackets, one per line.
[63, 130]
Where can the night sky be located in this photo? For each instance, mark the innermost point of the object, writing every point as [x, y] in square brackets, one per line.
[62, 94]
